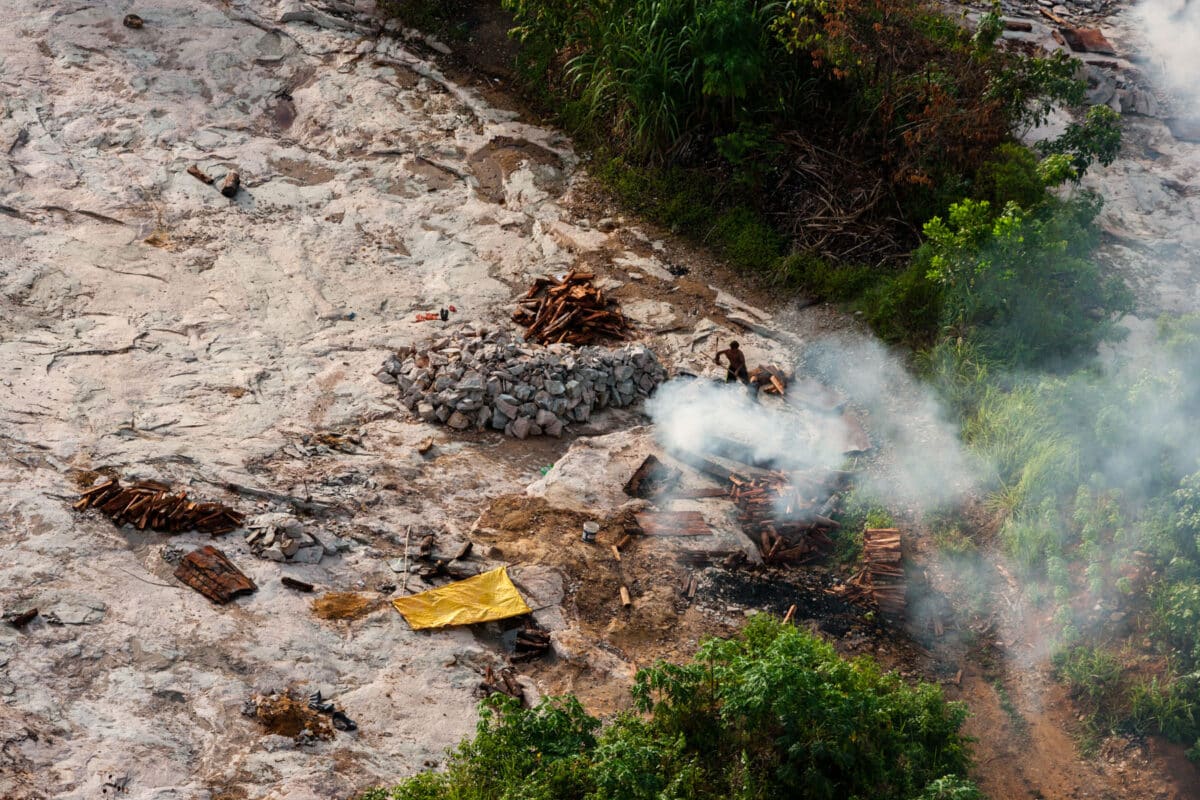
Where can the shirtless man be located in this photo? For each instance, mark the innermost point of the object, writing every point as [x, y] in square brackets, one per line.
[737, 364]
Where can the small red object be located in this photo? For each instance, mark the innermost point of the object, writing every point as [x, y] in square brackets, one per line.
[453, 310]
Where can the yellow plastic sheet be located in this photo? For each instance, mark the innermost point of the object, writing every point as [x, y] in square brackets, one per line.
[483, 598]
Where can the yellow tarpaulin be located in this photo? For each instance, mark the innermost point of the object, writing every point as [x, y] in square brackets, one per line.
[483, 598]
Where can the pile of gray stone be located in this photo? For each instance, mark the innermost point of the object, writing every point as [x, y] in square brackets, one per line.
[282, 537]
[492, 379]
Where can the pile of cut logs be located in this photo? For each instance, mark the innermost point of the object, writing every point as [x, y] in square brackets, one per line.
[570, 310]
[212, 574]
[770, 379]
[531, 643]
[149, 504]
[787, 515]
[502, 681]
[882, 576]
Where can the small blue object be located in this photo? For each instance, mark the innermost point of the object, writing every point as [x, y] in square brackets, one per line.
[350, 315]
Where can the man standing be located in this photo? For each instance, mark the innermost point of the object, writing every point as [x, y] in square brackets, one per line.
[737, 365]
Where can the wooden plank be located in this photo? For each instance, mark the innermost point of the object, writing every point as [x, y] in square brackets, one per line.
[673, 523]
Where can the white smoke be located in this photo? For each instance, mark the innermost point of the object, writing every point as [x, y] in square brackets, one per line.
[920, 462]
[1172, 30]
[700, 415]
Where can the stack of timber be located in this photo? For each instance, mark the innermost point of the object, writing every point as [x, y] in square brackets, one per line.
[210, 573]
[770, 379]
[787, 515]
[531, 643]
[882, 576]
[571, 310]
[149, 504]
[502, 681]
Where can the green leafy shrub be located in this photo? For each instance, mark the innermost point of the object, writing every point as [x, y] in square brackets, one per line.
[1177, 616]
[773, 713]
[1010, 176]
[1021, 284]
[1096, 139]
[825, 280]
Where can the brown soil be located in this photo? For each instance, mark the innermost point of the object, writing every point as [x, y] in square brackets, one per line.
[1028, 750]
[286, 715]
[499, 158]
[344, 605]
[659, 624]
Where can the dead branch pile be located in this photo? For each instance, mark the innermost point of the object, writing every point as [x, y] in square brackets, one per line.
[788, 515]
[571, 310]
[882, 575]
[843, 211]
[150, 504]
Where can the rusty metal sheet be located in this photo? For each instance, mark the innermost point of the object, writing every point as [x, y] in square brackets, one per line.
[210, 573]
[1087, 40]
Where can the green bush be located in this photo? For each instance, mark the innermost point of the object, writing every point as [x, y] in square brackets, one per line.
[773, 713]
[1021, 284]
[1010, 176]
[1177, 616]
[838, 283]
[905, 308]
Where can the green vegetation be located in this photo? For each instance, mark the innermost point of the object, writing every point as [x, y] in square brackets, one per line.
[774, 712]
[813, 143]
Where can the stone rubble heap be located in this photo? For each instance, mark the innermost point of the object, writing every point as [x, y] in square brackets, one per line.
[493, 379]
[282, 537]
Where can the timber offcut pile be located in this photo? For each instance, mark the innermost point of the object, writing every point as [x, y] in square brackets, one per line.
[788, 514]
[882, 576]
[570, 310]
[672, 523]
[150, 504]
[770, 379]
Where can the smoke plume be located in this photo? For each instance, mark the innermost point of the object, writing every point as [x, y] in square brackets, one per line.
[1172, 30]
[918, 461]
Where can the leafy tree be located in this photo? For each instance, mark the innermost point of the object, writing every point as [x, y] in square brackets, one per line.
[1021, 284]
[773, 713]
[1096, 139]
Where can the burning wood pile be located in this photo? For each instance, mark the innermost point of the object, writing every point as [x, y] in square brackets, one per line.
[150, 504]
[787, 515]
[882, 576]
[570, 310]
